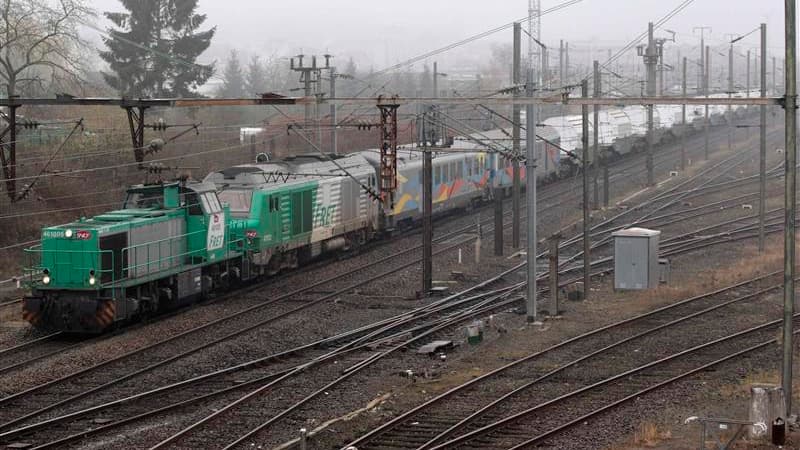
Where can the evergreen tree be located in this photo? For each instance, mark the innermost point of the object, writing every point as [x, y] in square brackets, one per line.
[233, 84]
[256, 79]
[152, 50]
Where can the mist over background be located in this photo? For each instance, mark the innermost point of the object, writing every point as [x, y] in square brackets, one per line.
[377, 34]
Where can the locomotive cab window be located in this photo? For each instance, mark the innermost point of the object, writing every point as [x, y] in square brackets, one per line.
[192, 204]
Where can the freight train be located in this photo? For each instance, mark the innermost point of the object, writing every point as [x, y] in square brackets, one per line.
[174, 243]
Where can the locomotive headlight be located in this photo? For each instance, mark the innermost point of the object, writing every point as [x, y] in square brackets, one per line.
[92, 279]
[46, 277]
[68, 233]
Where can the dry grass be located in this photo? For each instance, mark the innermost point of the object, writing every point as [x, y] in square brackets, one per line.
[449, 379]
[649, 435]
[749, 264]
[742, 389]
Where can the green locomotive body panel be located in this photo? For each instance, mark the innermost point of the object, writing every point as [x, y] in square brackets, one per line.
[155, 251]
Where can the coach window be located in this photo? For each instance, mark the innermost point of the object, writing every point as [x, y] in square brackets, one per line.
[437, 175]
[460, 169]
[445, 173]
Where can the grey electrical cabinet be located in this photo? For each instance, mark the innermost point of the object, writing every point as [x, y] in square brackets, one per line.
[636, 258]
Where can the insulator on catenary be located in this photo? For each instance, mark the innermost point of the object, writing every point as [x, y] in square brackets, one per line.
[156, 145]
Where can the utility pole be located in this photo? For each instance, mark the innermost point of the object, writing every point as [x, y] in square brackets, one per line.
[561, 63]
[596, 136]
[440, 128]
[309, 76]
[747, 85]
[650, 61]
[774, 86]
[427, 210]
[566, 64]
[530, 180]
[762, 164]
[586, 222]
[602, 155]
[661, 68]
[790, 205]
[683, 115]
[332, 94]
[730, 95]
[436, 121]
[515, 188]
[545, 72]
[428, 135]
[701, 84]
[707, 71]
[498, 216]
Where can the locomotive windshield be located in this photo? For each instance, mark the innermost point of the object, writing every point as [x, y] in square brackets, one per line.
[238, 201]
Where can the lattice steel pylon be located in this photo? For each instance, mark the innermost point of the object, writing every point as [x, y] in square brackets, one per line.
[388, 172]
[534, 31]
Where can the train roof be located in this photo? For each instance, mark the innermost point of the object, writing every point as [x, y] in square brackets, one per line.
[292, 169]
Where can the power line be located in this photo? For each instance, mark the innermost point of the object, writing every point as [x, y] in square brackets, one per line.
[470, 39]
[636, 40]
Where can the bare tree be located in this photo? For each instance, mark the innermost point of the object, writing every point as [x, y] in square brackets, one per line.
[39, 41]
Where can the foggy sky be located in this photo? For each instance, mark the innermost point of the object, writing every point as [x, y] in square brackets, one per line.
[380, 33]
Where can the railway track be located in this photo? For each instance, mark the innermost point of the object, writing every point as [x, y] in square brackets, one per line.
[280, 366]
[44, 353]
[486, 399]
[671, 197]
[536, 424]
[236, 380]
[35, 349]
[283, 392]
[73, 387]
[145, 369]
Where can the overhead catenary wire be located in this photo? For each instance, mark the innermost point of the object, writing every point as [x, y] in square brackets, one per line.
[30, 185]
[683, 5]
[470, 39]
[367, 189]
